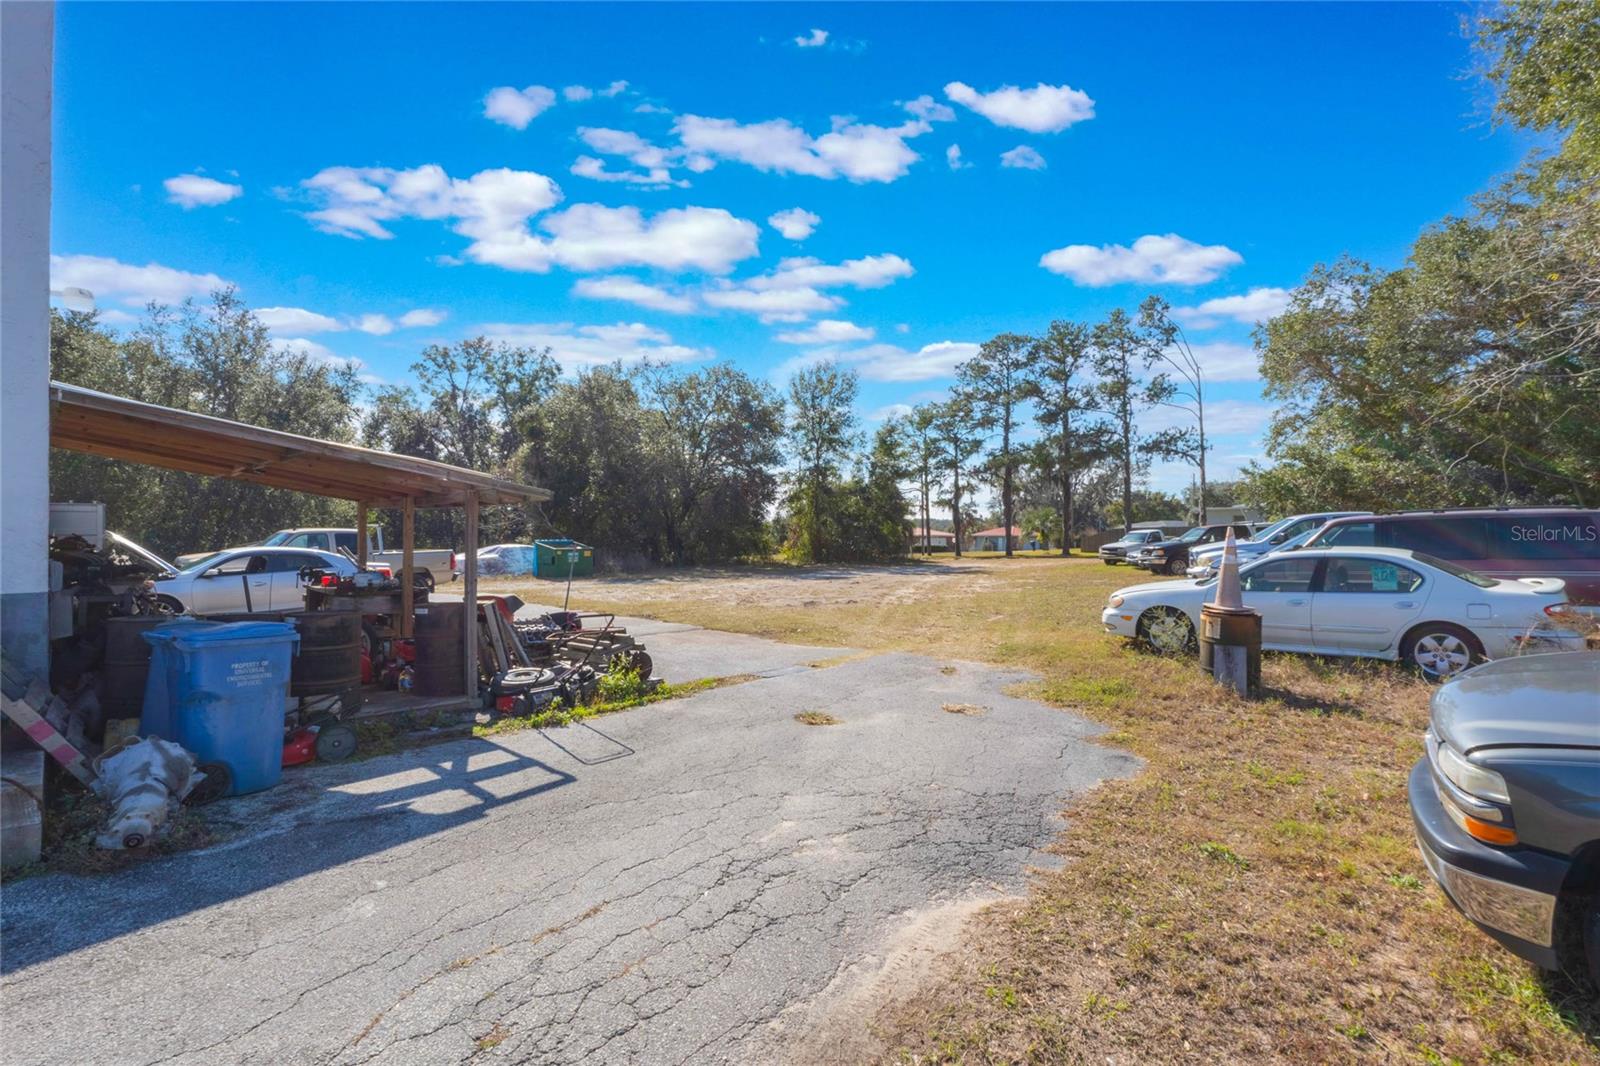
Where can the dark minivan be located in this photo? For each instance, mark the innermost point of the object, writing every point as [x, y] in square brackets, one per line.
[1507, 543]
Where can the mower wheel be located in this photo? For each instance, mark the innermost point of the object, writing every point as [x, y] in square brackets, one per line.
[335, 742]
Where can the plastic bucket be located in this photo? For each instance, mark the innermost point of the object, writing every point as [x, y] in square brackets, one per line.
[224, 684]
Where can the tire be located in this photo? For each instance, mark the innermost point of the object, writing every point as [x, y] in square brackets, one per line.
[1176, 567]
[1168, 631]
[1590, 917]
[422, 579]
[170, 605]
[335, 742]
[1440, 650]
[1109, 562]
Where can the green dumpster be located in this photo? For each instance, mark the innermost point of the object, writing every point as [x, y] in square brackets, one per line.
[560, 556]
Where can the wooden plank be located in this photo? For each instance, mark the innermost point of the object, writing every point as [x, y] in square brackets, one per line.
[469, 594]
[497, 640]
[361, 533]
[518, 652]
[407, 560]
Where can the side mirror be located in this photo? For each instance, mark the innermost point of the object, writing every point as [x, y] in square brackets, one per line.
[1279, 538]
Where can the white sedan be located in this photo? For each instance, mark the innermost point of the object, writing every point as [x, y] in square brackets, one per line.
[1382, 603]
[248, 580]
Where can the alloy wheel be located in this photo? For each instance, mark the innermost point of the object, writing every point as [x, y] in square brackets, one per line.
[1168, 630]
[1441, 655]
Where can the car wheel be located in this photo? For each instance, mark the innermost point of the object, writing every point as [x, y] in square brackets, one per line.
[1175, 567]
[1109, 562]
[168, 605]
[1167, 630]
[1440, 650]
[423, 580]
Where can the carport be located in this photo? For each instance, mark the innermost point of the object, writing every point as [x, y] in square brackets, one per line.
[115, 427]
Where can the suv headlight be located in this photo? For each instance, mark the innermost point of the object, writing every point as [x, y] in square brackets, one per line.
[1156, 553]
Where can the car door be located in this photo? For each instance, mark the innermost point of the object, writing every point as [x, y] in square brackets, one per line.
[288, 591]
[238, 583]
[1365, 604]
[1281, 590]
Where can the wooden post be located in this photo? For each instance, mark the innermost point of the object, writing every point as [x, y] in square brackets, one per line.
[408, 514]
[469, 593]
[361, 534]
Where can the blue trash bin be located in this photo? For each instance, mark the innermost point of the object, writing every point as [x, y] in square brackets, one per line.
[219, 688]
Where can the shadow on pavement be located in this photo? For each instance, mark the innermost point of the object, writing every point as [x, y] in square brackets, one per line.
[318, 817]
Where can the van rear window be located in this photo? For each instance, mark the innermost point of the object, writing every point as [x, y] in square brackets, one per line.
[1444, 538]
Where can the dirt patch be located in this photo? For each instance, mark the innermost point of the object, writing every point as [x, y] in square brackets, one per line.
[971, 710]
[834, 1027]
[816, 718]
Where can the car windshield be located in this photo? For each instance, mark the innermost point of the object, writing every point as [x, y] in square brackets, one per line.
[1263, 534]
[276, 539]
[1193, 535]
[207, 563]
[1472, 577]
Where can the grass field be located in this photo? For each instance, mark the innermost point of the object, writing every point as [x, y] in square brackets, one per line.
[1254, 895]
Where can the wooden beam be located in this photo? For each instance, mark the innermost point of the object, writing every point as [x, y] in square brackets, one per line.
[469, 593]
[361, 534]
[408, 514]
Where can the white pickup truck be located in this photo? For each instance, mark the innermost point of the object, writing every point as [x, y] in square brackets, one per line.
[430, 566]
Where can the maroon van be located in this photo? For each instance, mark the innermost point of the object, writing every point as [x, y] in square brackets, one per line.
[1509, 542]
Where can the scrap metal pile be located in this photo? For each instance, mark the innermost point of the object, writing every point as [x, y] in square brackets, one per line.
[552, 657]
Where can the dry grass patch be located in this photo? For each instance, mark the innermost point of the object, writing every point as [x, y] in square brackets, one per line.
[816, 718]
[969, 709]
[1254, 895]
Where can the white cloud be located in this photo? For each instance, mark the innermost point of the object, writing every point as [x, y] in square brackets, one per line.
[517, 107]
[868, 272]
[195, 190]
[1227, 361]
[1041, 109]
[1168, 259]
[891, 410]
[493, 208]
[582, 347]
[131, 285]
[828, 331]
[297, 320]
[888, 362]
[422, 316]
[634, 291]
[587, 166]
[815, 39]
[952, 155]
[772, 305]
[792, 290]
[377, 325]
[616, 88]
[651, 109]
[1023, 157]
[902, 327]
[928, 109]
[111, 316]
[320, 352]
[358, 200]
[1257, 305]
[857, 151]
[574, 93]
[796, 223]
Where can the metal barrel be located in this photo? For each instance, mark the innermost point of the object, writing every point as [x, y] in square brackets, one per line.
[1232, 628]
[127, 664]
[439, 664]
[329, 660]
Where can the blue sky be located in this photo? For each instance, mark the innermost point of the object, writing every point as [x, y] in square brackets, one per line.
[767, 184]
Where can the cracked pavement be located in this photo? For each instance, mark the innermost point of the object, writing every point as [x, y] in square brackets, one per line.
[674, 884]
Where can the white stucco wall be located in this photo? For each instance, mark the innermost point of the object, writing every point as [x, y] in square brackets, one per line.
[27, 32]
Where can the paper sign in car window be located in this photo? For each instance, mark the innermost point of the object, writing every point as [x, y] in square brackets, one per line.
[1385, 578]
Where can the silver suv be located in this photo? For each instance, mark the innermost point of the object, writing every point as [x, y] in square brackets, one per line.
[1117, 551]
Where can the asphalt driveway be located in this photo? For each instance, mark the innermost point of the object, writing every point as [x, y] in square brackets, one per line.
[703, 880]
